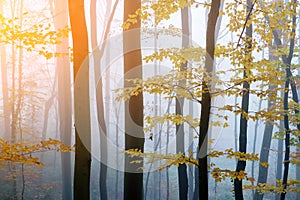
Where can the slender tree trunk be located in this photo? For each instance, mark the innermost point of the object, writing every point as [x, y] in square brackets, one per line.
[20, 97]
[133, 177]
[279, 161]
[206, 99]
[60, 16]
[6, 107]
[287, 59]
[191, 148]
[13, 107]
[13, 96]
[182, 168]
[81, 102]
[99, 87]
[167, 170]
[241, 165]
[266, 144]
[298, 149]
[254, 145]
[47, 108]
[264, 152]
[196, 190]
[287, 139]
[191, 168]
[5, 93]
[99, 100]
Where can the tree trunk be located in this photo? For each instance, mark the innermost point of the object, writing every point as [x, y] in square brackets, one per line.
[6, 107]
[287, 59]
[206, 99]
[191, 170]
[182, 168]
[99, 101]
[287, 139]
[266, 144]
[47, 108]
[241, 165]
[60, 17]
[279, 161]
[264, 152]
[254, 145]
[81, 102]
[133, 177]
[14, 115]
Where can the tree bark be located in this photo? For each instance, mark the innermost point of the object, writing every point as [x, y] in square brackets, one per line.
[99, 101]
[279, 161]
[133, 177]
[264, 152]
[241, 165]
[287, 59]
[266, 144]
[60, 17]
[182, 168]
[81, 102]
[206, 100]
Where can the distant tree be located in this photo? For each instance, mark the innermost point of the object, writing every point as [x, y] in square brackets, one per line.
[266, 143]
[5, 92]
[99, 99]
[180, 134]
[59, 11]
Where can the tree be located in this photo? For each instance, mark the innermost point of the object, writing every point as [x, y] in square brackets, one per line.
[81, 101]
[133, 177]
[60, 18]
[241, 165]
[6, 107]
[99, 100]
[266, 143]
[182, 168]
[198, 88]
[206, 99]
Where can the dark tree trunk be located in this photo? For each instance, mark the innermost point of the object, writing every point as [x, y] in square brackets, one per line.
[206, 99]
[264, 152]
[81, 102]
[287, 139]
[287, 59]
[241, 165]
[279, 161]
[266, 144]
[133, 177]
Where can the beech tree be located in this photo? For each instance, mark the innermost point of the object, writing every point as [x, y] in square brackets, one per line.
[59, 11]
[182, 168]
[81, 101]
[206, 98]
[133, 177]
[241, 165]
